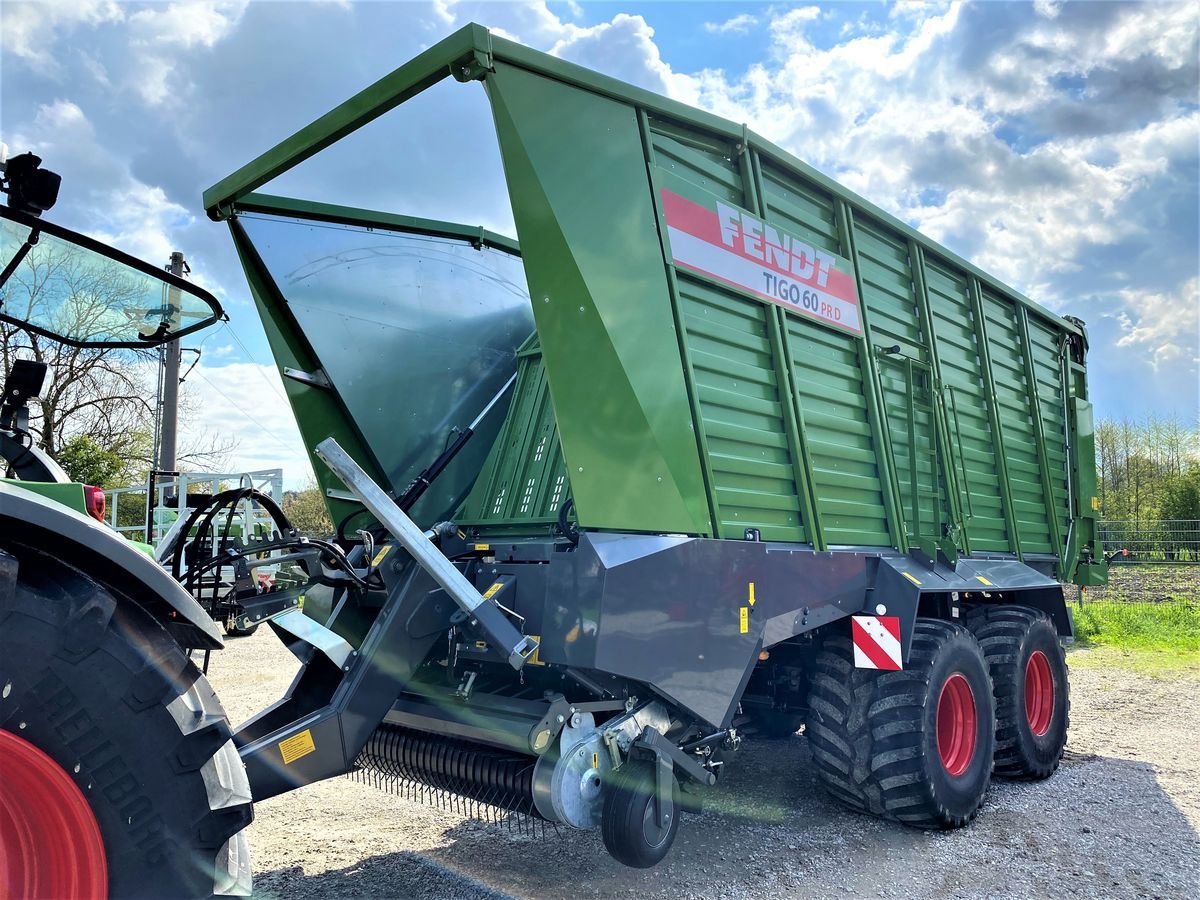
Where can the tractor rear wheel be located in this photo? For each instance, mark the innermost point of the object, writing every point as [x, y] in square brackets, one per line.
[914, 746]
[120, 775]
[1029, 677]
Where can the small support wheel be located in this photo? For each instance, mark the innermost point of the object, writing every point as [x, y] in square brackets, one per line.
[629, 822]
[232, 630]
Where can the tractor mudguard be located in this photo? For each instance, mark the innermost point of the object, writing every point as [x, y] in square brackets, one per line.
[41, 524]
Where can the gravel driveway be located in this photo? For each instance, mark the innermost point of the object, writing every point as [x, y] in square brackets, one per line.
[1119, 819]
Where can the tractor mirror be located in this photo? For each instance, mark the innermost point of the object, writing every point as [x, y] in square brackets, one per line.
[68, 287]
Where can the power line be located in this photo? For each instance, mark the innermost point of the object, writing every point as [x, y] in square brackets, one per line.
[249, 415]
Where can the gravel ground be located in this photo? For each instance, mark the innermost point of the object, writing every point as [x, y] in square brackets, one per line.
[1119, 819]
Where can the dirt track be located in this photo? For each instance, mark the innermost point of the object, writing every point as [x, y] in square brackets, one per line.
[1119, 819]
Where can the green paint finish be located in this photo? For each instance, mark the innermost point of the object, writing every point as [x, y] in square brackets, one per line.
[664, 400]
[524, 479]
[589, 235]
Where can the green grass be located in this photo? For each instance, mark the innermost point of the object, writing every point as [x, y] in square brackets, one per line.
[1171, 664]
[1173, 626]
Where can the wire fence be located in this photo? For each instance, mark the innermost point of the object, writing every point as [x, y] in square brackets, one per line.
[1157, 541]
[1155, 607]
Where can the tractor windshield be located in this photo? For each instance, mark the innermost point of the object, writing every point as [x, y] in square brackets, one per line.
[70, 288]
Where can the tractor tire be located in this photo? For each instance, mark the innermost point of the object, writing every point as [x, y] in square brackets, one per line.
[914, 746]
[628, 820]
[1032, 694]
[110, 723]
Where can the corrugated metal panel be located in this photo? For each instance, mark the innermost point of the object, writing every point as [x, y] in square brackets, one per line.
[831, 392]
[736, 380]
[967, 407]
[1016, 424]
[524, 480]
[887, 285]
[1047, 361]
[751, 460]
[830, 385]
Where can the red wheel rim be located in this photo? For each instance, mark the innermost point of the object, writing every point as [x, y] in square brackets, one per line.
[50, 839]
[1039, 693]
[956, 724]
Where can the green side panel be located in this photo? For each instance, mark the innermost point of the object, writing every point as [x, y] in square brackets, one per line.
[1016, 422]
[1052, 397]
[829, 384]
[577, 179]
[742, 406]
[971, 435]
[888, 292]
[735, 372]
[830, 387]
[524, 482]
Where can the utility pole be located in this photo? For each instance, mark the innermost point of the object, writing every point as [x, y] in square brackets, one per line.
[170, 394]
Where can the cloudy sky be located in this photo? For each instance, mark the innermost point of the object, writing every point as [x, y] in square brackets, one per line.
[1054, 144]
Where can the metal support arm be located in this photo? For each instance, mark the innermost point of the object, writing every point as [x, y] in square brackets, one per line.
[498, 629]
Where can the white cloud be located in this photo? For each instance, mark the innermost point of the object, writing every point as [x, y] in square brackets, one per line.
[197, 23]
[246, 402]
[32, 29]
[1166, 325]
[739, 24]
[106, 201]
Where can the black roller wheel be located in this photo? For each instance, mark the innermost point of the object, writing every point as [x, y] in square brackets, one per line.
[1029, 678]
[104, 720]
[914, 746]
[629, 821]
[232, 630]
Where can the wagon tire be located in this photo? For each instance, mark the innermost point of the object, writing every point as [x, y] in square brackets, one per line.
[101, 704]
[914, 746]
[1031, 688]
[628, 820]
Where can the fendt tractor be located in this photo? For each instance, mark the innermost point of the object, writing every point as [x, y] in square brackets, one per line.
[713, 450]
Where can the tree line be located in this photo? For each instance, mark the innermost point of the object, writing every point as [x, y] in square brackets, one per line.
[1149, 484]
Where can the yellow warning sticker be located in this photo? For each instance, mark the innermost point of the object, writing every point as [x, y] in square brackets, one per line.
[744, 620]
[481, 645]
[910, 578]
[1096, 503]
[383, 551]
[595, 760]
[983, 580]
[482, 547]
[751, 600]
[491, 592]
[296, 746]
[534, 659]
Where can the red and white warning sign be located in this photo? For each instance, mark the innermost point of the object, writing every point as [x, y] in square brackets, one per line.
[731, 245]
[876, 642]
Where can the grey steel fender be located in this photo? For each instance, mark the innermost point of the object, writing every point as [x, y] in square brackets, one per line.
[30, 520]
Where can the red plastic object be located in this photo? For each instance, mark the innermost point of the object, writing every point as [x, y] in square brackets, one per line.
[50, 843]
[1039, 693]
[956, 724]
[94, 499]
